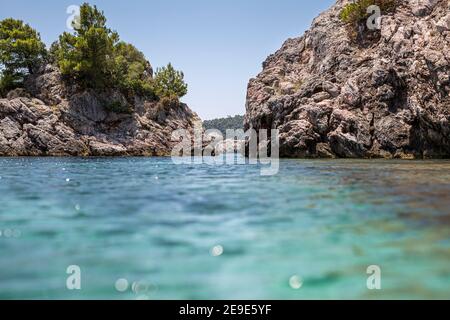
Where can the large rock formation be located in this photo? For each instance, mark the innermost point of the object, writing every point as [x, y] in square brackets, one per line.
[384, 94]
[48, 118]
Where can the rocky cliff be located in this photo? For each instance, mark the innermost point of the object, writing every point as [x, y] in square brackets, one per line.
[385, 94]
[48, 118]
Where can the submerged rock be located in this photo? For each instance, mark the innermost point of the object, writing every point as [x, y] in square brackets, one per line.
[386, 96]
[48, 118]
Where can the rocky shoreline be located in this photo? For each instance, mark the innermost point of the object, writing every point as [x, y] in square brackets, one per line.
[47, 118]
[383, 96]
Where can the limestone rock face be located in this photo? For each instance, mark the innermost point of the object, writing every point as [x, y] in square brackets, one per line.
[332, 96]
[48, 118]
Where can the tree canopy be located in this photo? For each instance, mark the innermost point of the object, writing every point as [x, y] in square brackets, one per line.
[92, 57]
[86, 56]
[169, 83]
[21, 51]
[132, 72]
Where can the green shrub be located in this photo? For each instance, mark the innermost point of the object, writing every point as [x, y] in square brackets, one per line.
[162, 109]
[357, 11]
[132, 72]
[167, 103]
[355, 14]
[93, 57]
[8, 82]
[169, 83]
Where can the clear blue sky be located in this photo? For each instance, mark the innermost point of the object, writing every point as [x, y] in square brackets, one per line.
[219, 45]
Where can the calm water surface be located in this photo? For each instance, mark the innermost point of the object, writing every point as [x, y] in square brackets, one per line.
[154, 224]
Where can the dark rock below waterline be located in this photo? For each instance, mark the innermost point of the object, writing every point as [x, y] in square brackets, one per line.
[333, 97]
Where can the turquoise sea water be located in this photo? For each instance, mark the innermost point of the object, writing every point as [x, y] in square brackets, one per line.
[318, 224]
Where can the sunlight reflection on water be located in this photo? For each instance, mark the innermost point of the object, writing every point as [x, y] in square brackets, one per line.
[315, 226]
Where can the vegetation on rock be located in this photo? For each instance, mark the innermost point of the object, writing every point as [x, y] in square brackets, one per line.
[369, 99]
[86, 57]
[169, 83]
[132, 72]
[93, 57]
[355, 14]
[21, 50]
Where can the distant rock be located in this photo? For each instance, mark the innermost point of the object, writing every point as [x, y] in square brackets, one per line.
[48, 118]
[333, 97]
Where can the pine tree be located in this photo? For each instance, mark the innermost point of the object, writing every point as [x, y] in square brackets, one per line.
[21, 52]
[169, 83]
